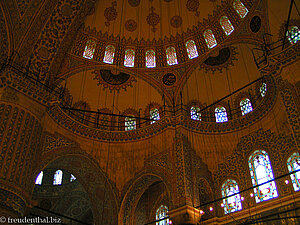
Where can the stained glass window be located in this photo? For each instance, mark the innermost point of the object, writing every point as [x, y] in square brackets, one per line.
[191, 49]
[150, 59]
[263, 89]
[246, 106]
[72, 178]
[109, 54]
[240, 8]
[130, 123]
[161, 213]
[58, 177]
[171, 56]
[210, 39]
[129, 58]
[89, 49]
[232, 203]
[293, 34]
[293, 164]
[195, 113]
[221, 114]
[226, 25]
[154, 115]
[39, 178]
[261, 172]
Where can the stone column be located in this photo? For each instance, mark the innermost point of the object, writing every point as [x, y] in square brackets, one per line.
[184, 213]
[20, 134]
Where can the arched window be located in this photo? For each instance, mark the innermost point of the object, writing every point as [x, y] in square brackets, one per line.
[293, 164]
[150, 59]
[161, 213]
[89, 49]
[191, 49]
[232, 203]
[221, 114]
[195, 113]
[210, 39]
[72, 178]
[154, 115]
[57, 180]
[129, 58]
[293, 34]
[109, 54]
[171, 56]
[263, 89]
[130, 123]
[240, 8]
[261, 172]
[39, 178]
[246, 106]
[226, 25]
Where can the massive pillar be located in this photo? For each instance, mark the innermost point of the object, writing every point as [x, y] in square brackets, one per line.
[20, 132]
[184, 212]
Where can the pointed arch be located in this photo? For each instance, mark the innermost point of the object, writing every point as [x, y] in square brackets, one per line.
[293, 164]
[226, 25]
[129, 58]
[89, 49]
[230, 191]
[171, 56]
[191, 49]
[150, 59]
[210, 38]
[240, 8]
[109, 54]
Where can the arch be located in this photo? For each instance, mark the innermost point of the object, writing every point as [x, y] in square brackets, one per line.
[109, 54]
[89, 49]
[161, 213]
[171, 56]
[129, 58]
[232, 203]
[92, 178]
[246, 106]
[136, 188]
[293, 164]
[221, 114]
[150, 59]
[154, 115]
[191, 49]
[240, 8]
[210, 38]
[195, 113]
[261, 172]
[226, 25]
[39, 178]
[130, 123]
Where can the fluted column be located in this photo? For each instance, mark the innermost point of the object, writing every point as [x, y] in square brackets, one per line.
[20, 132]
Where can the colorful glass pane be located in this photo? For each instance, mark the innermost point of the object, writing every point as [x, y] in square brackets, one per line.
[195, 113]
[293, 34]
[161, 213]
[210, 39]
[39, 178]
[130, 123]
[232, 203]
[246, 106]
[72, 178]
[240, 8]
[89, 49]
[171, 56]
[261, 172]
[109, 54]
[129, 58]
[221, 115]
[150, 59]
[154, 115]
[191, 49]
[263, 89]
[57, 180]
[293, 164]
[226, 25]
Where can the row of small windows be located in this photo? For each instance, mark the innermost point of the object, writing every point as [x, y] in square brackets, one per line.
[261, 173]
[57, 178]
[195, 112]
[170, 52]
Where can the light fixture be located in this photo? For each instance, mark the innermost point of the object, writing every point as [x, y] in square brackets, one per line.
[251, 195]
[211, 208]
[222, 205]
[286, 181]
[242, 198]
[201, 212]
